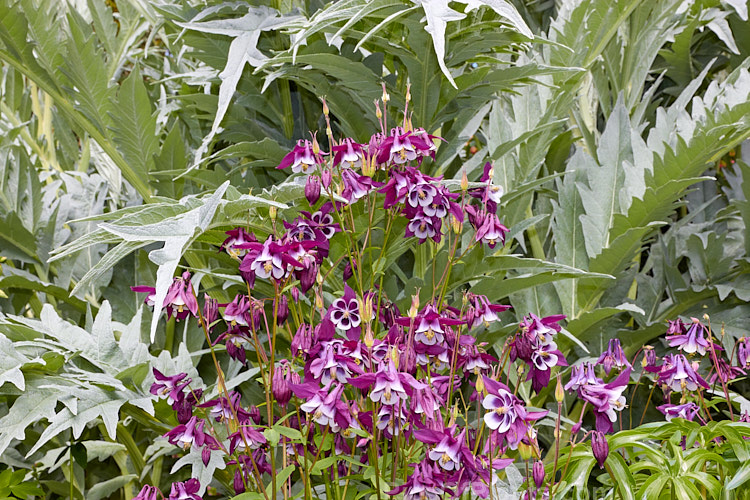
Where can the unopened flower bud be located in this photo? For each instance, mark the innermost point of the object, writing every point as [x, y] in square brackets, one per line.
[408, 92]
[295, 294]
[480, 384]
[325, 178]
[378, 113]
[365, 308]
[272, 212]
[538, 473]
[464, 181]
[282, 309]
[318, 300]
[456, 225]
[325, 107]
[386, 97]
[312, 190]
[394, 357]
[369, 339]
[491, 173]
[315, 146]
[600, 447]
[559, 391]
[414, 309]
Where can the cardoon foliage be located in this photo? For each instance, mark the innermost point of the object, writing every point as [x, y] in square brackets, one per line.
[355, 386]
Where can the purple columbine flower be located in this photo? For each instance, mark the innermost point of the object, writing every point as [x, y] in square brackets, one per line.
[688, 411]
[679, 374]
[421, 484]
[429, 325]
[424, 227]
[606, 399]
[344, 312]
[326, 408]
[401, 147]
[582, 374]
[691, 341]
[349, 153]
[312, 190]
[489, 195]
[222, 410]
[148, 493]
[355, 186]
[237, 312]
[302, 158]
[184, 407]
[186, 491]
[725, 372]
[538, 473]
[283, 375]
[392, 420]
[180, 300]
[389, 384]
[171, 387]
[613, 356]
[237, 237]
[246, 438]
[450, 452]
[508, 416]
[189, 434]
[270, 260]
[600, 447]
[481, 311]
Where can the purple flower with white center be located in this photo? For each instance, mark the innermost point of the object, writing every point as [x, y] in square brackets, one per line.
[180, 300]
[349, 153]
[355, 186]
[151, 291]
[679, 374]
[301, 158]
[325, 408]
[542, 360]
[334, 362]
[503, 410]
[450, 452]
[423, 227]
[246, 438]
[186, 491]
[171, 387]
[676, 327]
[688, 411]
[599, 447]
[189, 434]
[481, 311]
[389, 384]
[691, 341]
[489, 195]
[270, 260]
[613, 356]
[222, 410]
[398, 186]
[392, 420]
[421, 194]
[344, 311]
[429, 325]
[606, 399]
[323, 220]
[488, 227]
[237, 237]
[581, 375]
[237, 312]
[400, 147]
[147, 493]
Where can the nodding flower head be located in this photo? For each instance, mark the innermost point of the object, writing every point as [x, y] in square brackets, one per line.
[600, 447]
[236, 237]
[688, 411]
[172, 387]
[613, 357]
[302, 158]
[148, 493]
[185, 491]
[692, 341]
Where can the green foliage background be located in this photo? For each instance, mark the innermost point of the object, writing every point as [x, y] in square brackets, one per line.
[614, 127]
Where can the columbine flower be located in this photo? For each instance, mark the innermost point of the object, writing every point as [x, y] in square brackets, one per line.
[688, 411]
[301, 158]
[429, 325]
[606, 399]
[344, 311]
[355, 186]
[600, 447]
[237, 237]
[679, 374]
[283, 375]
[180, 300]
[389, 384]
[192, 433]
[480, 311]
[743, 352]
[186, 491]
[613, 356]
[538, 473]
[508, 415]
[349, 153]
[237, 312]
[171, 387]
[725, 372]
[184, 407]
[692, 341]
[421, 485]
[581, 375]
[246, 438]
[401, 147]
[450, 452]
[147, 493]
[326, 409]
[489, 195]
[269, 260]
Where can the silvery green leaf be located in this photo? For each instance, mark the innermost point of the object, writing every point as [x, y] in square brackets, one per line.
[106, 488]
[438, 15]
[11, 362]
[204, 473]
[30, 407]
[503, 9]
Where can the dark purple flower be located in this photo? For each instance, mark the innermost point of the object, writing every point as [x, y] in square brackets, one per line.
[282, 309]
[429, 325]
[186, 491]
[389, 384]
[312, 190]
[355, 186]
[148, 493]
[222, 410]
[246, 438]
[725, 372]
[171, 387]
[184, 407]
[538, 473]
[210, 311]
[613, 356]
[283, 375]
[600, 447]
[691, 341]
[421, 484]
[180, 300]
[688, 411]
[401, 147]
[424, 227]
[450, 452]
[326, 408]
[151, 291]
[237, 312]
[581, 375]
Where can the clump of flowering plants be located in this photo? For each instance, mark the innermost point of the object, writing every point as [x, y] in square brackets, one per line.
[369, 394]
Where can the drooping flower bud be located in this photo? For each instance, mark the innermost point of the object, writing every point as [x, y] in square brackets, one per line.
[464, 181]
[559, 392]
[325, 107]
[538, 473]
[272, 212]
[600, 447]
[414, 309]
[525, 450]
[147, 493]
[295, 294]
[326, 177]
[312, 190]
[282, 309]
[210, 310]
[239, 486]
[282, 376]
